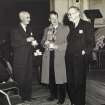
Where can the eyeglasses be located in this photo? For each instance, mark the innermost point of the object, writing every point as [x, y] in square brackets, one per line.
[69, 14]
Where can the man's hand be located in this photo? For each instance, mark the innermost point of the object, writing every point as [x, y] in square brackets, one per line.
[53, 46]
[30, 39]
[34, 43]
[83, 52]
[37, 53]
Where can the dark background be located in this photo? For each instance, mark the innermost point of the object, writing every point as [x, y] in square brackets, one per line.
[39, 10]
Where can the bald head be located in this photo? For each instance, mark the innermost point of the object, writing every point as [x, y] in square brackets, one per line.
[24, 17]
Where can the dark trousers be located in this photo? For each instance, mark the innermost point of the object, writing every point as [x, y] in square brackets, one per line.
[76, 77]
[25, 90]
[56, 90]
[23, 76]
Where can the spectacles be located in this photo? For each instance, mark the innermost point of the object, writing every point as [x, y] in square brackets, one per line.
[69, 14]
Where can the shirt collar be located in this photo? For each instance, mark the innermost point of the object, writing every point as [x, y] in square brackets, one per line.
[76, 22]
[23, 26]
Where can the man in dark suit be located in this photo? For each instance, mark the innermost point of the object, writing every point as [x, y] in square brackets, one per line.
[80, 43]
[22, 42]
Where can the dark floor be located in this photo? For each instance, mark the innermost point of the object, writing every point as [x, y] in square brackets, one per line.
[95, 92]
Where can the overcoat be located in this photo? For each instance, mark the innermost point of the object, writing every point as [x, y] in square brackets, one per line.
[59, 60]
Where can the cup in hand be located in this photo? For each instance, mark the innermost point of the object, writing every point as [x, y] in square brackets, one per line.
[30, 39]
[34, 43]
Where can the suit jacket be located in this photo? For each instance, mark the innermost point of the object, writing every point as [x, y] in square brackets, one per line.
[22, 53]
[80, 38]
[19, 44]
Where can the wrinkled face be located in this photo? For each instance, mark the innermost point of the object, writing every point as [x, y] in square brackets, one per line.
[25, 18]
[73, 14]
[53, 19]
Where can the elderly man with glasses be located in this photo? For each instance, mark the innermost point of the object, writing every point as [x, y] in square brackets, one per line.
[79, 46]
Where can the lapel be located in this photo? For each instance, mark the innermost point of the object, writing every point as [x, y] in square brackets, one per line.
[80, 24]
[58, 33]
[22, 31]
[59, 29]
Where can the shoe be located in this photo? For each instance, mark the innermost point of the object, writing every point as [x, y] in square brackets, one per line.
[60, 102]
[51, 98]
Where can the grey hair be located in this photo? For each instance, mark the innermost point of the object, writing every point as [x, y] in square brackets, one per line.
[75, 7]
[22, 14]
